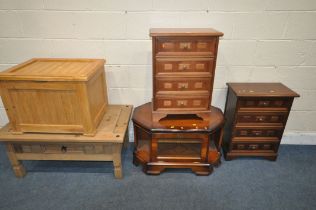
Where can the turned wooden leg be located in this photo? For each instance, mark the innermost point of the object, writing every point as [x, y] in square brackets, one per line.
[17, 166]
[117, 162]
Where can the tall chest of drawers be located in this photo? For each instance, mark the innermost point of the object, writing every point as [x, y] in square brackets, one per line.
[184, 62]
[256, 115]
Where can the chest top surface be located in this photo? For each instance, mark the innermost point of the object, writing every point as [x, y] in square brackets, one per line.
[50, 69]
[261, 90]
[177, 123]
[184, 32]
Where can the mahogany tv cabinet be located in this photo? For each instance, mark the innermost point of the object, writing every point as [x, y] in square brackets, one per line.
[179, 141]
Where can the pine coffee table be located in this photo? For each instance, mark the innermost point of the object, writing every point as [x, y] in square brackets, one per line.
[106, 145]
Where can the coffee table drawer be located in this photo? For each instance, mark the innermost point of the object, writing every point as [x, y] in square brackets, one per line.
[62, 148]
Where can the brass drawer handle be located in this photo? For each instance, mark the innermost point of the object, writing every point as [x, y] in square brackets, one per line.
[183, 87]
[265, 103]
[63, 149]
[260, 119]
[253, 146]
[185, 46]
[257, 133]
[184, 67]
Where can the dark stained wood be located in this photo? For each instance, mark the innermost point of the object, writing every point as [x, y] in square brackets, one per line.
[184, 62]
[184, 32]
[142, 116]
[177, 141]
[256, 116]
[262, 90]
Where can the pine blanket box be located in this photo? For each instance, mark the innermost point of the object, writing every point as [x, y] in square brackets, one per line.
[52, 95]
[106, 145]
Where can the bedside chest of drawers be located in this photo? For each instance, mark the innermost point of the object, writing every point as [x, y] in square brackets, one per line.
[256, 115]
[184, 62]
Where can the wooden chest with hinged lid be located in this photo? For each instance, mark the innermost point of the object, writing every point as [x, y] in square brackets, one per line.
[55, 95]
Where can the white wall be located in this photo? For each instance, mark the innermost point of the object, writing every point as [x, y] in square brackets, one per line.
[264, 41]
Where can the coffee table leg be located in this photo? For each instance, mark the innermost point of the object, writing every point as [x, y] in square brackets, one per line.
[17, 166]
[126, 140]
[117, 162]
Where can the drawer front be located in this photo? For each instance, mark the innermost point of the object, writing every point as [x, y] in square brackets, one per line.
[182, 103]
[280, 103]
[184, 44]
[258, 132]
[183, 84]
[63, 148]
[261, 117]
[250, 146]
[178, 65]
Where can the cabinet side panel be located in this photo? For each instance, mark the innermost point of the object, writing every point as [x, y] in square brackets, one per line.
[154, 72]
[230, 110]
[97, 94]
[212, 70]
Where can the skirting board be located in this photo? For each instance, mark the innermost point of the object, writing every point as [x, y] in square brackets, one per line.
[299, 138]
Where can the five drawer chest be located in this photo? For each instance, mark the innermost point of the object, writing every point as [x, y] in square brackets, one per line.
[256, 115]
[184, 62]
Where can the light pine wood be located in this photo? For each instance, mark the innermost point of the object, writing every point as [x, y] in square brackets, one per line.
[53, 69]
[17, 166]
[106, 145]
[55, 95]
[117, 162]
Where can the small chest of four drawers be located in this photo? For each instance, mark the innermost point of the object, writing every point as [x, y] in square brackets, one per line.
[256, 115]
